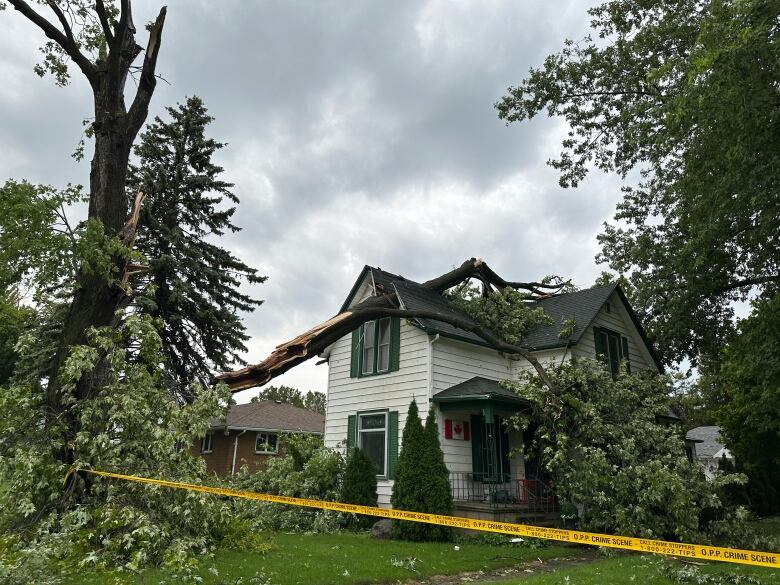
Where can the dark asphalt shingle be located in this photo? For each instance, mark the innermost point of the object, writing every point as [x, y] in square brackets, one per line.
[478, 387]
[581, 305]
[708, 440]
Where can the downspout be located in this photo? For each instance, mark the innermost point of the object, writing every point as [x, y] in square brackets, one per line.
[433, 340]
[235, 448]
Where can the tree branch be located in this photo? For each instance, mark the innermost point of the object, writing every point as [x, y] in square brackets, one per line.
[311, 343]
[476, 268]
[66, 42]
[100, 8]
[147, 82]
[63, 21]
[746, 282]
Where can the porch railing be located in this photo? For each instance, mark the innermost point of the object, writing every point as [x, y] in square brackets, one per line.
[504, 491]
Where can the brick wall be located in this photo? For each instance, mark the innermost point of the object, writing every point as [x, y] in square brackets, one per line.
[220, 460]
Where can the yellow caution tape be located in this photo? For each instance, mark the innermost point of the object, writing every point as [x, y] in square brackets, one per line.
[696, 551]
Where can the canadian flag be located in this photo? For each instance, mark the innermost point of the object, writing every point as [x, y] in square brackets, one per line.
[456, 429]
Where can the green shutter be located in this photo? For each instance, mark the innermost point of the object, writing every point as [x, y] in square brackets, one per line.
[477, 438]
[354, 366]
[395, 343]
[601, 341]
[624, 355]
[351, 431]
[392, 442]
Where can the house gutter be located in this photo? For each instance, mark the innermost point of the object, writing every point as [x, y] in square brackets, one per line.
[432, 340]
[235, 448]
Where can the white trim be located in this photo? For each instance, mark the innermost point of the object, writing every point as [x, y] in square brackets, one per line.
[267, 429]
[235, 448]
[268, 436]
[210, 437]
[431, 340]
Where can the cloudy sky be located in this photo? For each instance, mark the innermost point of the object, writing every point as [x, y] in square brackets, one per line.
[358, 133]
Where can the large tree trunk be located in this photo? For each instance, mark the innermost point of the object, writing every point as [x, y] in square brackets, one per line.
[96, 301]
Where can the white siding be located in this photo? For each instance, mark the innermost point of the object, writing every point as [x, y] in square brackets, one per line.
[618, 320]
[455, 362]
[393, 391]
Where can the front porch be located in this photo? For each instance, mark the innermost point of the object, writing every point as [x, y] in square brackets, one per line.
[516, 499]
[487, 472]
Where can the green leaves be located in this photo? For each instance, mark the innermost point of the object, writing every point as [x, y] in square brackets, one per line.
[37, 242]
[603, 441]
[680, 99]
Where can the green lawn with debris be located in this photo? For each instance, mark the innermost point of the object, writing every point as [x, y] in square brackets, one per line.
[312, 559]
[631, 569]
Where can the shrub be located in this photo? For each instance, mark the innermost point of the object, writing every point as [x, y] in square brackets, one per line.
[421, 479]
[307, 470]
[359, 484]
[436, 491]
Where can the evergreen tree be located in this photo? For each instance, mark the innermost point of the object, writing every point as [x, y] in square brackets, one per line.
[413, 479]
[359, 483]
[195, 281]
[437, 492]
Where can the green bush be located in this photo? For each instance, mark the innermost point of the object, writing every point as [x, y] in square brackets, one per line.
[436, 491]
[359, 484]
[421, 479]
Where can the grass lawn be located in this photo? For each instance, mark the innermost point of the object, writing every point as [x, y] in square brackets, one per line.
[641, 570]
[346, 558]
[768, 526]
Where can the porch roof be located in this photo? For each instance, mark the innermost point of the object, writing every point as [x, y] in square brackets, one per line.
[479, 391]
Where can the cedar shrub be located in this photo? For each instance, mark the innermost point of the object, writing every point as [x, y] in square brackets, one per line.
[359, 484]
[421, 479]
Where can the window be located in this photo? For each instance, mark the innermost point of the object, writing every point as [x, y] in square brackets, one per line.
[207, 443]
[611, 347]
[372, 439]
[266, 443]
[376, 347]
[376, 433]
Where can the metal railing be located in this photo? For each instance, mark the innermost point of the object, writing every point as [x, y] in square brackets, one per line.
[504, 491]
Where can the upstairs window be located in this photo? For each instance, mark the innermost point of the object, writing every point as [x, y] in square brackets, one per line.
[207, 444]
[375, 347]
[611, 347]
[266, 443]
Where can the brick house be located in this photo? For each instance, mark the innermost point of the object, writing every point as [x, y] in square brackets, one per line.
[250, 434]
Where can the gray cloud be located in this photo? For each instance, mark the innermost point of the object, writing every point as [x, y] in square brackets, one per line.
[358, 133]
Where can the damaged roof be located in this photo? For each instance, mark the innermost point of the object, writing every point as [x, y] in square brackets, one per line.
[582, 305]
[267, 415]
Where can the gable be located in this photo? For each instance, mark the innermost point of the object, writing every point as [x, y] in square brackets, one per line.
[585, 306]
[616, 315]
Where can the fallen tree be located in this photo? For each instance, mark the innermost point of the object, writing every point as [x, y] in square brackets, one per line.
[385, 303]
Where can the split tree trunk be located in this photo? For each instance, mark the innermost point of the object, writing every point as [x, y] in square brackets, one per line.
[95, 301]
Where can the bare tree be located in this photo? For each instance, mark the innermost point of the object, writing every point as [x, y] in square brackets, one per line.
[386, 304]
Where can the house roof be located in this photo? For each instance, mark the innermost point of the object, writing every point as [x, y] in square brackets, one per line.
[707, 439]
[582, 305]
[267, 415]
[478, 388]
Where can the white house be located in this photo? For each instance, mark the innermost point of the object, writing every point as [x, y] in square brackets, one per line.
[708, 449]
[375, 372]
